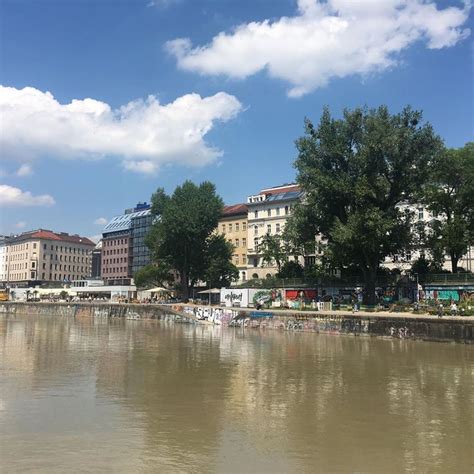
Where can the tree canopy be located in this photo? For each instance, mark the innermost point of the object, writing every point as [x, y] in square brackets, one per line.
[449, 195]
[182, 237]
[357, 172]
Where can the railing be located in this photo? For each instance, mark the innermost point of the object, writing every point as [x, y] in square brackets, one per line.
[447, 278]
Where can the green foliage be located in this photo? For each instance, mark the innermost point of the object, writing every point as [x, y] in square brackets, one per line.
[220, 271]
[272, 250]
[291, 269]
[181, 234]
[355, 172]
[154, 275]
[450, 196]
[424, 266]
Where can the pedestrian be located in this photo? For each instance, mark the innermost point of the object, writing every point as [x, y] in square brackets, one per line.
[454, 309]
[440, 310]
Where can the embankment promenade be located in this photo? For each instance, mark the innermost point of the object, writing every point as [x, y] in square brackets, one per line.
[384, 324]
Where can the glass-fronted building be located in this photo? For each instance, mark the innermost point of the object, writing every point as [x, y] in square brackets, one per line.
[140, 225]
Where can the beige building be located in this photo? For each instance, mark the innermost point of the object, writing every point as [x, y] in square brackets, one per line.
[44, 256]
[233, 225]
[267, 214]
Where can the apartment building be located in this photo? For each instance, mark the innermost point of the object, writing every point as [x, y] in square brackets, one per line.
[268, 212]
[3, 259]
[41, 256]
[233, 225]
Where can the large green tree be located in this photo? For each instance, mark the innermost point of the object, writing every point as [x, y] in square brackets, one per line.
[450, 196]
[220, 271]
[357, 172]
[181, 236]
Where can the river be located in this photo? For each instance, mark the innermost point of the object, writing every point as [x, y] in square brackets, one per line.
[91, 395]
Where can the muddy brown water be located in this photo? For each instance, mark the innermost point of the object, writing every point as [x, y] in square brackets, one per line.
[85, 395]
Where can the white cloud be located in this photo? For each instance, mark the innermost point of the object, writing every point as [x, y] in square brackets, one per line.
[20, 225]
[325, 40]
[144, 134]
[10, 196]
[101, 221]
[163, 3]
[24, 170]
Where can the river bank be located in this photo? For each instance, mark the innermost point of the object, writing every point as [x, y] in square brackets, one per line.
[392, 325]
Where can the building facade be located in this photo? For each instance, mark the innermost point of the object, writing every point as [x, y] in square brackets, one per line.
[43, 256]
[233, 225]
[3, 259]
[97, 260]
[268, 213]
[119, 247]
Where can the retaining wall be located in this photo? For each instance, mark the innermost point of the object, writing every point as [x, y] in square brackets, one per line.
[420, 327]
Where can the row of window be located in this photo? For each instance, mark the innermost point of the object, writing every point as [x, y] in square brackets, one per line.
[69, 268]
[115, 270]
[116, 251]
[108, 261]
[235, 226]
[240, 259]
[237, 242]
[60, 248]
[113, 242]
[273, 212]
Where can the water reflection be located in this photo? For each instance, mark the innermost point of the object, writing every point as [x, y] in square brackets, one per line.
[144, 396]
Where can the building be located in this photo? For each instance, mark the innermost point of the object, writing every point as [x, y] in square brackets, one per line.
[233, 225]
[119, 246]
[3, 259]
[268, 212]
[43, 256]
[422, 219]
[140, 225]
[97, 260]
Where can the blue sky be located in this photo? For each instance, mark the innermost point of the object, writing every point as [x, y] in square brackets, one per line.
[229, 102]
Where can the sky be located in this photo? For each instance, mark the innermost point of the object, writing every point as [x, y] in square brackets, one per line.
[104, 101]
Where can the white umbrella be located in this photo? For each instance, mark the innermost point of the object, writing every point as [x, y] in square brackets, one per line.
[212, 291]
[158, 289]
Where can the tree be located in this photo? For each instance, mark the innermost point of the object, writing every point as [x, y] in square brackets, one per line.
[220, 271]
[356, 173]
[291, 269]
[181, 233]
[272, 251]
[449, 195]
[159, 274]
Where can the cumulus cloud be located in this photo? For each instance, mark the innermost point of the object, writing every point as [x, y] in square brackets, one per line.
[163, 3]
[143, 134]
[101, 221]
[20, 225]
[15, 197]
[325, 40]
[24, 170]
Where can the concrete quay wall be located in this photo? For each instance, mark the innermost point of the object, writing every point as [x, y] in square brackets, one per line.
[454, 329]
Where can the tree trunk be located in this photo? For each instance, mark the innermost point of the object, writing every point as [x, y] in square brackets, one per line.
[454, 263]
[184, 286]
[370, 276]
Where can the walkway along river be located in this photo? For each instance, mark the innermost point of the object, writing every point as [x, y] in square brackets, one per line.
[458, 329]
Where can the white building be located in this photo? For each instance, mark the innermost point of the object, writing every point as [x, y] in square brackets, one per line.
[3, 260]
[268, 213]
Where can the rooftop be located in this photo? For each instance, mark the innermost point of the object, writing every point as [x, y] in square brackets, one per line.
[45, 234]
[234, 210]
[123, 222]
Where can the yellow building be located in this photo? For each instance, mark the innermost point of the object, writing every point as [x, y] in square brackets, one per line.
[233, 225]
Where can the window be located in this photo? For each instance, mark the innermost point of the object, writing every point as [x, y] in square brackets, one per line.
[255, 214]
[420, 214]
[34, 245]
[269, 229]
[255, 230]
[223, 228]
[277, 228]
[237, 242]
[287, 210]
[255, 243]
[33, 264]
[244, 258]
[244, 242]
[236, 258]
[244, 226]
[236, 226]
[269, 212]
